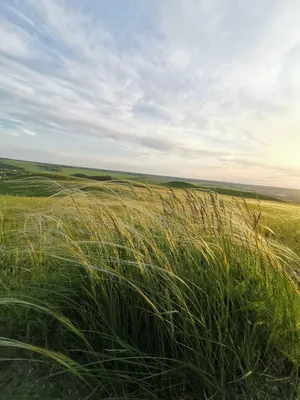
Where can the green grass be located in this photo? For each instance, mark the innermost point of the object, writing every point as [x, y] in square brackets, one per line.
[116, 175]
[33, 167]
[144, 294]
[8, 167]
[26, 165]
[28, 187]
[38, 184]
[57, 172]
[180, 185]
[241, 193]
[44, 185]
[35, 184]
[219, 190]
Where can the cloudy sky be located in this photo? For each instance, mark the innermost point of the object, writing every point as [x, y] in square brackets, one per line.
[194, 88]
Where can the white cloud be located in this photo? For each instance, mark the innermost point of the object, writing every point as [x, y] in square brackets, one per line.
[209, 80]
[29, 132]
[13, 40]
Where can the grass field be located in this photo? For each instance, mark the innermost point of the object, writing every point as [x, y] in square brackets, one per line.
[120, 290]
[25, 169]
[63, 170]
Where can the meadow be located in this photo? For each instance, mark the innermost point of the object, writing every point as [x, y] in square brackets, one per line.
[119, 289]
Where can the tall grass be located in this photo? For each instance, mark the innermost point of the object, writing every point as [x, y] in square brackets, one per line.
[142, 294]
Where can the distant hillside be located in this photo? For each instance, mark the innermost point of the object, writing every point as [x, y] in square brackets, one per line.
[219, 190]
[241, 193]
[100, 178]
[9, 167]
[180, 185]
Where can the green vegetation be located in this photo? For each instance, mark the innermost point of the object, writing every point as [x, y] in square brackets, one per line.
[49, 167]
[180, 185]
[140, 293]
[34, 167]
[114, 288]
[23, 169]
[28, 187]
[35, 184]
[8, 167]
[219, 190]
[24, 165]
[94, 177]
[241, 193]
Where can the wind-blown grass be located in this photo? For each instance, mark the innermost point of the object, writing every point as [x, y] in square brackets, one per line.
[143, 295]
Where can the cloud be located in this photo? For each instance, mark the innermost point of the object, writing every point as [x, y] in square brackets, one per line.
[29, 132]
[14, 41]
[173, 84]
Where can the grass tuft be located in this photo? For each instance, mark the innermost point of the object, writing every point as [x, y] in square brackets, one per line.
[138, 294]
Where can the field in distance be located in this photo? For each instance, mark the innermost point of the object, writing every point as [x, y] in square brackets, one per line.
[13, 169]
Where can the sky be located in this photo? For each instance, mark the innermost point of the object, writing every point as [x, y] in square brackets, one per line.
[206, 89]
